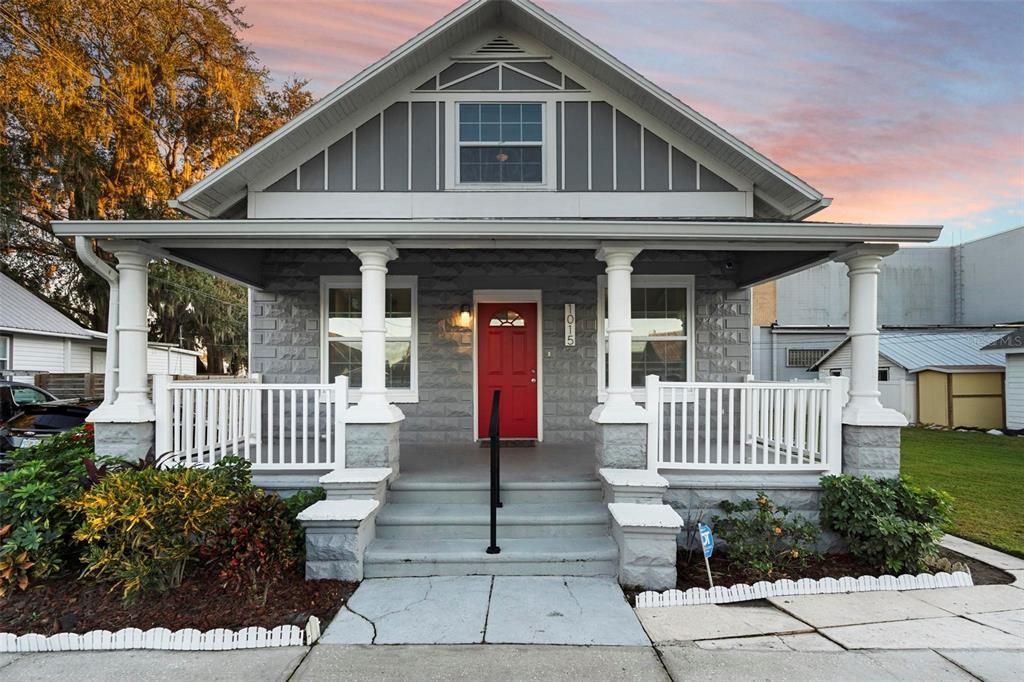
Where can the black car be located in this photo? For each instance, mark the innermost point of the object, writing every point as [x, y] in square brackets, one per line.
[15, 395]
[37, 422]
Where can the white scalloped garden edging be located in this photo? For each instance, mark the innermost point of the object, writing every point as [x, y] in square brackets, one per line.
[218, 639]
[788, 588]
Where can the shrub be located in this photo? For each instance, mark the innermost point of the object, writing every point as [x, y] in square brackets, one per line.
[38, 527]
[886, 522]
[234, 475]
[255, 547]
[764, 539]
[142, 527]
[296, 503]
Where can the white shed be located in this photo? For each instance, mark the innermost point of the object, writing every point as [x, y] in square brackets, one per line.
[903, 353]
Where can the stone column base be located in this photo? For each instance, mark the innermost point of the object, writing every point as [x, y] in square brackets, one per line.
[621, 446]
[871, 451]
[127, 440]
[646, 536]
[356, 484]
[372, 446]
[633, 485]
[337, 534]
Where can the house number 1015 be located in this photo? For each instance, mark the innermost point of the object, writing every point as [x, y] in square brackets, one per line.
[570, 324]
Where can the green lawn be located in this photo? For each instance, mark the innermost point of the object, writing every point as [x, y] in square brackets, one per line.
[983, 473]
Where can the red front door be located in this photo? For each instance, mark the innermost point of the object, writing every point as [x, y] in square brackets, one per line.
[507, 360]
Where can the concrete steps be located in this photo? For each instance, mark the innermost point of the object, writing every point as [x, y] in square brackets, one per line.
[472, 521]
[415, 490]
[595, 556]
[429, 527]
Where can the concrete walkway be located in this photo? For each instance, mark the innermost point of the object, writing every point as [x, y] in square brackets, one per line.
[485, 609]
[974, 633]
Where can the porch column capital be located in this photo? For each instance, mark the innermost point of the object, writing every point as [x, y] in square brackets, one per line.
[618, 254]
[864, 407]
[374, 253]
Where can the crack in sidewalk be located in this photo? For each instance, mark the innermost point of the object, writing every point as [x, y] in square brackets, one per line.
[372, 624]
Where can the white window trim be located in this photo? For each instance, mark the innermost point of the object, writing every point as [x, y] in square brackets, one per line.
[547, 144]
[7, 358]
[395, 395]
[639, 282]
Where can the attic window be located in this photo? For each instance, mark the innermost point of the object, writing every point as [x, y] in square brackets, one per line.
[501, 143]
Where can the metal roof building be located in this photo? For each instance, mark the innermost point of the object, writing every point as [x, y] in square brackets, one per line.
[948, 349]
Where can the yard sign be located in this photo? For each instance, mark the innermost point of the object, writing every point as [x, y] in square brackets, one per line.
[707, 543]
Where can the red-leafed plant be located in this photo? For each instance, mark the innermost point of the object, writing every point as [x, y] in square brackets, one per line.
[256, 546]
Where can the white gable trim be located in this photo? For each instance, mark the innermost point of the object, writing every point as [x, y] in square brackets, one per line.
[814, 198]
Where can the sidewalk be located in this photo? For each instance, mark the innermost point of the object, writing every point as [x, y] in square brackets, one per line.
[974, 633]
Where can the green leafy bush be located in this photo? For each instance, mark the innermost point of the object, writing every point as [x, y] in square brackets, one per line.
[296, 503]
[257, 545]
[763, 539]
[38, 527]
[143, 527]
[886, 522]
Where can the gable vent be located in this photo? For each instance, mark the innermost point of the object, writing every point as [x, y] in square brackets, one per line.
[499, 46]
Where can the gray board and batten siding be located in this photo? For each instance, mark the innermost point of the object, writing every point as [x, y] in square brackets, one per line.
[599, 148]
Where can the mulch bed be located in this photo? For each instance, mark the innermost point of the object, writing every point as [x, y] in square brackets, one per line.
[65, 604]
[692, 573]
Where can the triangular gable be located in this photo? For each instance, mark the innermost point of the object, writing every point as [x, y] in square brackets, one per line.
[776, 189]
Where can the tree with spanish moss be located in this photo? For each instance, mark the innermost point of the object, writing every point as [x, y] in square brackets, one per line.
[108, 108]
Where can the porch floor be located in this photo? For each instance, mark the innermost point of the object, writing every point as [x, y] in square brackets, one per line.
[469, 462]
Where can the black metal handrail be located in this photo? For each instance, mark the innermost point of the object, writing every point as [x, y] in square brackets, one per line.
[495, 435]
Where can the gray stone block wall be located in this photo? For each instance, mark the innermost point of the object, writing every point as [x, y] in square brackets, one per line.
[871, 451]
[286, 327]
[127, 441]
[693, 495]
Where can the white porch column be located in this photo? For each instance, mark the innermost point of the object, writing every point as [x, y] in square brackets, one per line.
[131, 398]
[373, 407]
[864, 407]
[619, 407]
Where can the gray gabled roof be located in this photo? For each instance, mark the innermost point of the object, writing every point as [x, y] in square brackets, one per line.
[1011, 343]
[916, 350]
[23, 311]
[778, 192]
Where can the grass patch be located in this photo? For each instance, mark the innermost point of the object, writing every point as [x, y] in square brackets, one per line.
[984, 474]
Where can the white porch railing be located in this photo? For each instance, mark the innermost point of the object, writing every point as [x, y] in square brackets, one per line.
[794, 426]
[273, 426]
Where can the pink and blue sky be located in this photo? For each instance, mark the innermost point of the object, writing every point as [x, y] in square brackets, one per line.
[901, 111]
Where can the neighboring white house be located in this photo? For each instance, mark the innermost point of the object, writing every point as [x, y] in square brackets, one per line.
[499, 208]
[37, 339]
[802, 316]
[1012, 345]
[904, 354]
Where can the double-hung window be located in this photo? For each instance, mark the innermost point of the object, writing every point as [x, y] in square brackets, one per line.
[342, 344]
[5, 352]
[662, 321]
[501, 143]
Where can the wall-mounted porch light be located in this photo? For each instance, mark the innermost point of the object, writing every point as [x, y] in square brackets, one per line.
[464, 315]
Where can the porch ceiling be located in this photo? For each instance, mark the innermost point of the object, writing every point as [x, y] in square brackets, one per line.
[234, 248]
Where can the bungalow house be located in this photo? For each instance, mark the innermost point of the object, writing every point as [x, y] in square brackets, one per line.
[934, 376]
[499, 212]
